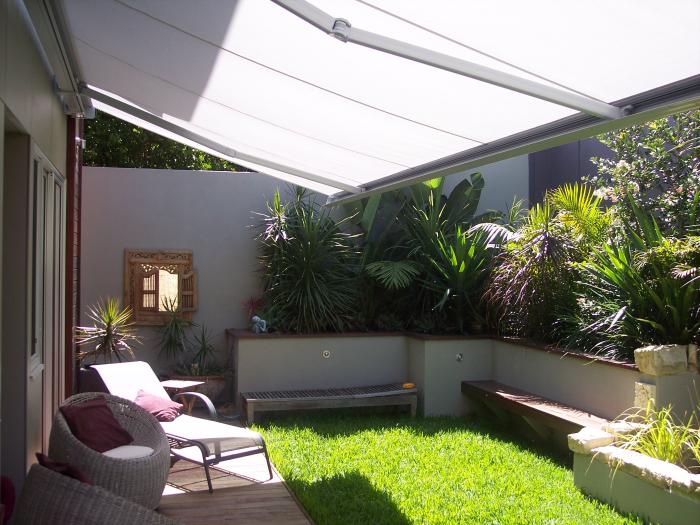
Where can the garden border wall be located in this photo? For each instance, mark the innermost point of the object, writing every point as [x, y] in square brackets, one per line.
[436, 364]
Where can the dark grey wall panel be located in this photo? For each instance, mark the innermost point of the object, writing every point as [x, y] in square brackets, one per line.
[567, 163]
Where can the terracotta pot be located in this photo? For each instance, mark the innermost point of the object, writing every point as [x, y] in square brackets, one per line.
[213, 386]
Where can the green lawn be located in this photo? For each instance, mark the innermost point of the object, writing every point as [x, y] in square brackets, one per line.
[349, 469]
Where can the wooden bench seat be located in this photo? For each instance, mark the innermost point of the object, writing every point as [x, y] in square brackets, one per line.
[393, 394]
[537, 411]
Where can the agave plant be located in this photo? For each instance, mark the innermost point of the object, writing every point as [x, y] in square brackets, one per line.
[111, 335]
[309, 268]
[458, 270]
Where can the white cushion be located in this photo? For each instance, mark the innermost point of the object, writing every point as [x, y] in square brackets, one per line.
[129, 452]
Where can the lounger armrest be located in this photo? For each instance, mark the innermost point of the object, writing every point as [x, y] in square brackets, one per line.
[207, 402]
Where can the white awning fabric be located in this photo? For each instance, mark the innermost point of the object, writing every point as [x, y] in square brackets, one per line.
[255, 83]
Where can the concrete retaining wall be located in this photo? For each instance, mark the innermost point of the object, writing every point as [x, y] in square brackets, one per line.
[596, 386]
[437, 366]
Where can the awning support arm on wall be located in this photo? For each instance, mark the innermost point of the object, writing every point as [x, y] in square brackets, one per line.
[342, 30]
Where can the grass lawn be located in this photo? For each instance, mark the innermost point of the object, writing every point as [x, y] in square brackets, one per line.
[349, 469]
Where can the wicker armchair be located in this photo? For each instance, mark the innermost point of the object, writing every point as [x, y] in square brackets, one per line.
[140, 480]
[50, 498]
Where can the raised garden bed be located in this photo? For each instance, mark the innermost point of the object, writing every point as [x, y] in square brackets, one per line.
[659, 491]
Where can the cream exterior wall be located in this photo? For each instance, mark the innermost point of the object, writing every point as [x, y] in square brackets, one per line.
[26, 87]
[28, 103]
[448, 362]
[503, 181]
[601, 389]
[632, 494]
[298, 363]
[209, 213]
[295, 362]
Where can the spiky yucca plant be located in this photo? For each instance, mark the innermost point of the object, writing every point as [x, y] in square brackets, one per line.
[110, 336]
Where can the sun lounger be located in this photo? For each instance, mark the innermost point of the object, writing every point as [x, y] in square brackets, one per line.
[201, 441]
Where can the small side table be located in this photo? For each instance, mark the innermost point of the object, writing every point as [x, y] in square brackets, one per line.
[177, 386]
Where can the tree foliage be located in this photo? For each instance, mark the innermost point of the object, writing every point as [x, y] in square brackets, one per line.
[119, 144]
[657, 164]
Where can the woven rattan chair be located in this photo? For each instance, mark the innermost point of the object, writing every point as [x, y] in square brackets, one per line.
[139, 479]
[50, 498]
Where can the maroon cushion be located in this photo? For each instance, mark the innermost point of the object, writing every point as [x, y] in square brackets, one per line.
[7, 498]
[163, 409]
[62, 468]
[94, 424]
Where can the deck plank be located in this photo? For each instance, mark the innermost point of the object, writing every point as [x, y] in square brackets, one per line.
[238, 499]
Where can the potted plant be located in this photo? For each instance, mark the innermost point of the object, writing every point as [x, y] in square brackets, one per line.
[201, 366]
[109, 338]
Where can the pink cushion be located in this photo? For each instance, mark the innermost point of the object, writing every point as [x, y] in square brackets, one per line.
[163, 409]
[94, 424]
[62, 468]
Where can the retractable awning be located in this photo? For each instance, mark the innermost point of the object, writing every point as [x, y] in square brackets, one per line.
[406, 90]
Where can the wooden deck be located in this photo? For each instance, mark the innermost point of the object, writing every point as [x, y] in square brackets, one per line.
[237, 499]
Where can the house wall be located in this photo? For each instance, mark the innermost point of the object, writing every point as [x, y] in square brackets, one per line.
[29, 111]
[504, 181]
[563, 164]
[206, 212]
[26, 88]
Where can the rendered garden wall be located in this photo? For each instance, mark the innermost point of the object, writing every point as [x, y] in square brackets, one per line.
[436, 365]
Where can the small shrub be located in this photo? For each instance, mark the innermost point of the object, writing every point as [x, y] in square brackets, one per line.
[174, 339]
[639, 290]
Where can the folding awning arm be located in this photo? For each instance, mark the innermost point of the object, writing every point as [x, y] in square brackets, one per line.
[209, 143]
[343, 30]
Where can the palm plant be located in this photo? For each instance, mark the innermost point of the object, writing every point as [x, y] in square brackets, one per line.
[111, 335]
[174, 339]
[309, 268]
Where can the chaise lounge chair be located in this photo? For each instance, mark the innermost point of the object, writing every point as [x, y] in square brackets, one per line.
[198, 440]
